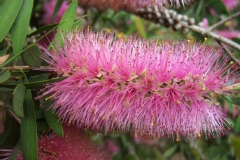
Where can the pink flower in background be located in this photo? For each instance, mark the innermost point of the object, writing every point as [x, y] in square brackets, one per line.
[155, 88]
[111, 147]
[48, 7]
[131, 5]
[228, 33]
[205, 23]
[75, 145]
[230, 4]
[225, 32]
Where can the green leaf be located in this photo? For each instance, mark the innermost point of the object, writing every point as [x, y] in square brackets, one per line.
[18, 100]
[218, 6]
[140, 27]
[233, 99]
[51, 117]
[237, 40]
[34, 84]
[42, 126]
[77, 24]
[39, 114]
[20, 26]
[236, 145]
[1, 2]
[4, 51]
[237, 125]
[8, 13]
[56, 9]
[15, 151]
[43, 29]
[18, 54]
[31, 56]
[29, 130]
[4, 75]
[3, 89]
[170, 151]
[68, 18]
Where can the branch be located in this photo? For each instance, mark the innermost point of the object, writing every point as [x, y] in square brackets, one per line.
[229, 53]
[17, 68]
[213, 35]
[172, 19]
[11, 113]
[223, 21]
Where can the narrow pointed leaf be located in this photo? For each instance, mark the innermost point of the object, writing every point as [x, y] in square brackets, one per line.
[4, 75]
[8, 13]
[37, 84]
[4, 51]
[31, 56]
[29, 130]
[68, 18]
[43, 29]
[140, 26]
[18, 54]
[20, 26]
[236, 145]
[51, 117]
[233, 99]
[18, 100]
[15, 151]
[56, 9]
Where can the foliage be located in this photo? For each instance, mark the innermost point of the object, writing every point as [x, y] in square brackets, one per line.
[23, 117]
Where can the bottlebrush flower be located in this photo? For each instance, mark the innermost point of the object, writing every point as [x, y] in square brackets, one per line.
[131, 5]
[74, 145]
[154, 88]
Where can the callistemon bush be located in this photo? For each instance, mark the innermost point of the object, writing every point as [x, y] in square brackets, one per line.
[151, 88]
[131, 5]
[74, 145]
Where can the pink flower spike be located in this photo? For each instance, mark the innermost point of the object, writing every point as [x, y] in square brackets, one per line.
[152, 88]
[131, 5]
[74, 145]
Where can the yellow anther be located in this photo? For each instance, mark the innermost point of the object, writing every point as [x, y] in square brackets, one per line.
[199, 135]
[72, 65]
[50, 96]
[104, 117]
[152, 121]
[205, 40]
[119, 35]
[136, 134]
[88, 28]
[177, 138]
[108, 30]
